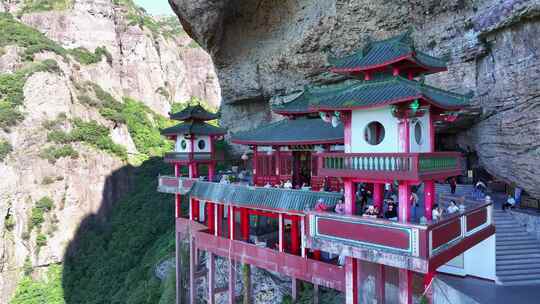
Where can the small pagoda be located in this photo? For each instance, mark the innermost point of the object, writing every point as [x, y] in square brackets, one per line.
[194, 141]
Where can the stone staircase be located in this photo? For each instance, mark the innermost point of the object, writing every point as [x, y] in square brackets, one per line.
[517, 252]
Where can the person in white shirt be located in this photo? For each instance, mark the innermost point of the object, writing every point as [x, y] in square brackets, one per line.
[288, 184]
[510, 203]
[436, 213]
[453, 208]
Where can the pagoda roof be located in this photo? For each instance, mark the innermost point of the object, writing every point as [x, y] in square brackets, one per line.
[263, 198]
[354, 94]
[299, 131]
[193, 127]
[398, 50]
[196, 112]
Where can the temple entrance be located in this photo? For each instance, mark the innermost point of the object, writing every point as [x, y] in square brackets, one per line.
[301, 168]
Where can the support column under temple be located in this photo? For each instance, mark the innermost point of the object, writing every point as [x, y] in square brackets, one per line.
[429, 198]
[405, 286]
[350, 197]
[179, 278]
[211, 277]
[232, 281]
[192, 269]
[246, 273]
[315, 294]
[380, 282]
[177, 205]
[294, 289]
[428, 286]
[351, 280]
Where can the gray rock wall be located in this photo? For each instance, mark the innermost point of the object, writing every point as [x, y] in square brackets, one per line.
[263, 48]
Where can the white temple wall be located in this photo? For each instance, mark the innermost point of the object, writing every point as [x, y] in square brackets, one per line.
[360, 120]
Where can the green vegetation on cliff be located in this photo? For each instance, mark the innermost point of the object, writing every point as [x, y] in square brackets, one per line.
[84, 56]
[31, 6]
[5, 149]
[45, 290]
[11, 91]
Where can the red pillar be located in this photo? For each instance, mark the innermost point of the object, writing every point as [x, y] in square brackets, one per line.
[405, 286]
[380, 284]
[210, 217]
[295, 236]
[378, 195]
[211, 171]
[428, 286]
[255, 161]
[178, 205]
[220, 219]
[404, 135]
[176, 169]
[317, 255]
[404, 212]
[429, 198]
[195, 210]
[351, 280]
[350, 197]
[231, 222]
[244, 223]
[193, 170]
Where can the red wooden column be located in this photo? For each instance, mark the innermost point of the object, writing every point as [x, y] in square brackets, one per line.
[295, 236]
[281, 232]
[255, 164]
[404, 135]
[211, 171]
[428, 286]
[278, 163]
[378, 195]
[380, 284]
[195, 210]
[232, 264]
[178, 205]
[351, 280]
[244, 224]
[404, 212]
[176, 169]
[210, 217]
[219, 224]
[429, 198]
[405, 276]
[350, 197]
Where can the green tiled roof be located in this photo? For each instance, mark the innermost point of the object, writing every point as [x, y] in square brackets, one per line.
[193, 127]
[262, 198]
[384, 52]
[292, 132]
[196, 112]
[365, 94]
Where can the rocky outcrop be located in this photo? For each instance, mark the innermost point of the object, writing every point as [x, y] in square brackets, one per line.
[157, 67]
[264, 48]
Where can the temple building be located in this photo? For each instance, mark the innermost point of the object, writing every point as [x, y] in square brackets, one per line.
[375, 130]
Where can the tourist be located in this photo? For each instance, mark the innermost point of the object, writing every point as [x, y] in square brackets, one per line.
[288, 184]
[414, 204]
[268, 185]
[340, 207]
[387, 190]
[370, 212]
[517, 195]
[320, 206]
[437, 212]
[510, 203]
[391, 212]
[453, 184]
[480, 190]
[453, 208]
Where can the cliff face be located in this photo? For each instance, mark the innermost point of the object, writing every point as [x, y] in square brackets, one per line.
[263, 48]
[82, 172]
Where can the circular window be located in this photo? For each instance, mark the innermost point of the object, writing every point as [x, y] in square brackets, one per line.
[418, 132]
[183, 144]
[201, 144]
[374, 133]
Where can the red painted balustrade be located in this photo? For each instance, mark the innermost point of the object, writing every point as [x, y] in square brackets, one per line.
[404, 245]
[390, 166]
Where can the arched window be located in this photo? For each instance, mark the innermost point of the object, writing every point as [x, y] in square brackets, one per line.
[418, 133]
[183, 144]
[374, 133]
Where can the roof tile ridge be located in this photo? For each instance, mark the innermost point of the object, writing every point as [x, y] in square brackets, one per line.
[423, 86]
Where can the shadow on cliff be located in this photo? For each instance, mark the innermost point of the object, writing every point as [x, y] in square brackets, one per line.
[113, 254]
